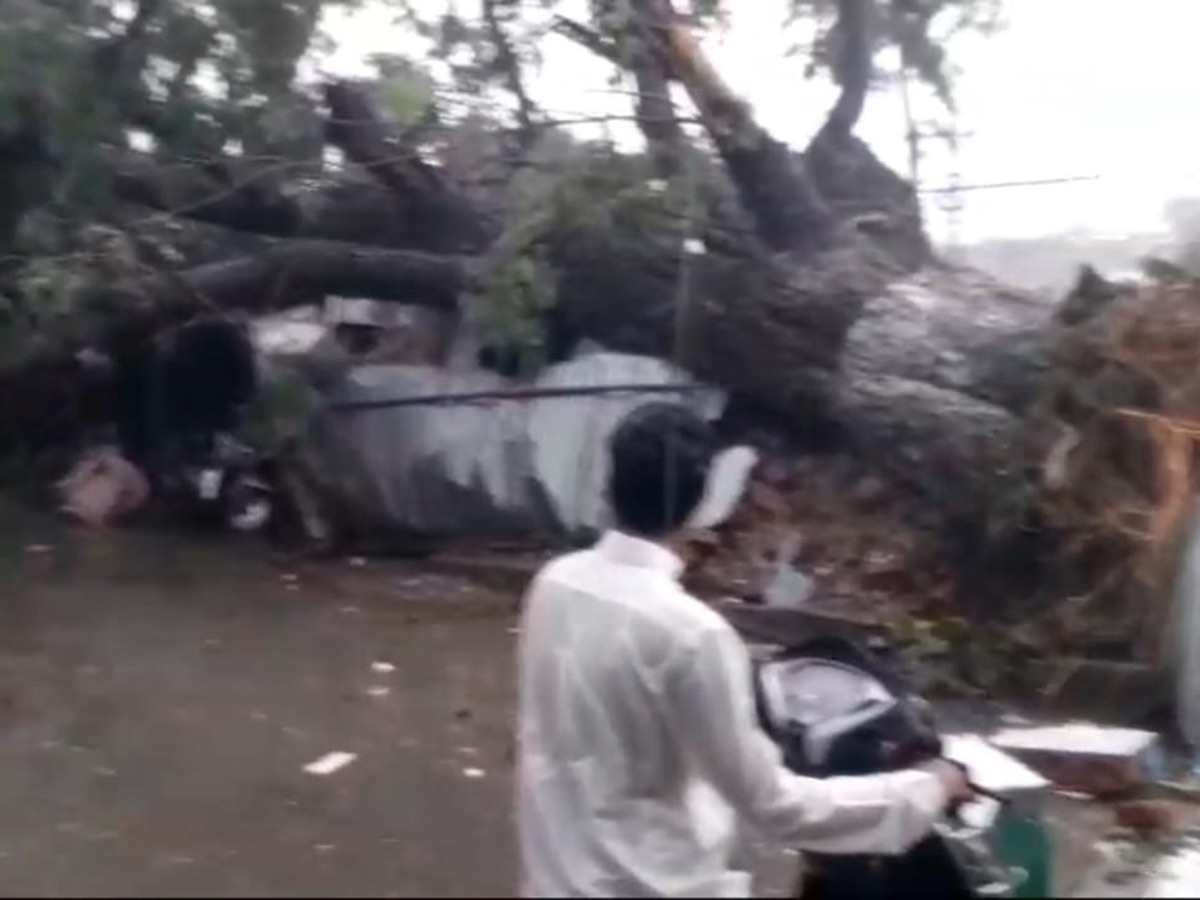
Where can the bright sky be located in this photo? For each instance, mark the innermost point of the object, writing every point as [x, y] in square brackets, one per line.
[1069, 88]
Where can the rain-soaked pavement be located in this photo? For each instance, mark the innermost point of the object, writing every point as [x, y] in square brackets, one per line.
[160, 697]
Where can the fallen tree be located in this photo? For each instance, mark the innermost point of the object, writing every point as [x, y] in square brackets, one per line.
[817, 297]
[803, 282]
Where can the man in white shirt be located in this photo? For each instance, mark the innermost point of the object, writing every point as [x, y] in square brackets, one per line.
[640, 748]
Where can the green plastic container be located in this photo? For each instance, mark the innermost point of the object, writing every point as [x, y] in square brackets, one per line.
[1023, 844]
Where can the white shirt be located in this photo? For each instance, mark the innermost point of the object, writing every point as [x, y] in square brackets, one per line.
[640, 747]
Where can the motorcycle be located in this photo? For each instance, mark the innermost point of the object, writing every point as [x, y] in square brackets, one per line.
[221, 478]
[836, 708]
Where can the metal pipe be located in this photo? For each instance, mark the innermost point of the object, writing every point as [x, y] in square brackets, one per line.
[469, 397]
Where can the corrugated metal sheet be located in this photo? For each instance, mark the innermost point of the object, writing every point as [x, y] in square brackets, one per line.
[492, 467]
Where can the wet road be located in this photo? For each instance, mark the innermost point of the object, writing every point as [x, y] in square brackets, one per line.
[159, 699]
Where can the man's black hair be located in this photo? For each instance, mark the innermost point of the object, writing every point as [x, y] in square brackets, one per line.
[661, 454]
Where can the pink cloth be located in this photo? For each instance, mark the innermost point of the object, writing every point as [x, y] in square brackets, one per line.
[102, 487]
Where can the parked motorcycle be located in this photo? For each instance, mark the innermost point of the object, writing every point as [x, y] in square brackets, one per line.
[223, 479]
[837, 709]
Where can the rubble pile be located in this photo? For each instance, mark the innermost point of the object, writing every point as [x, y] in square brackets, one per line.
[842, 529]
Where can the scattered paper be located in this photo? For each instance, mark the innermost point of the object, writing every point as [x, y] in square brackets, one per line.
[330, 763]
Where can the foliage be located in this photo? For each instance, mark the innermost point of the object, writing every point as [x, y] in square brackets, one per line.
[518, 293]
[186, 80]
[586, 194]
[919, 30]
[407, 90]
[195, 80]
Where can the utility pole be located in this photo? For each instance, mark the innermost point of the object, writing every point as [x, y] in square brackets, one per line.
[951, 201]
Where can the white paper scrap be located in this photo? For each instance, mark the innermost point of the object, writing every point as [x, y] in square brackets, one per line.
[330, 763]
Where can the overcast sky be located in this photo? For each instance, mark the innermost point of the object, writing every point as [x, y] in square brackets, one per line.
[1069, 88]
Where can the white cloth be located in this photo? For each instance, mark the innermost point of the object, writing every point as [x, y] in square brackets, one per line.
[640, 748]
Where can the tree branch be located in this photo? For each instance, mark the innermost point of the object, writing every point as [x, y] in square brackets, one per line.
[852, 69]
[506, 57]
[299, 268]
[115, 56]
[587, 38]
[655, 112]
[656, 115]
[788, 211]
[420, 190]
[252, 201]
[248, 204]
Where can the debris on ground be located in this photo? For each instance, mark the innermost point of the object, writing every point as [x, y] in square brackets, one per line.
[843, 530]
[330, 763]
